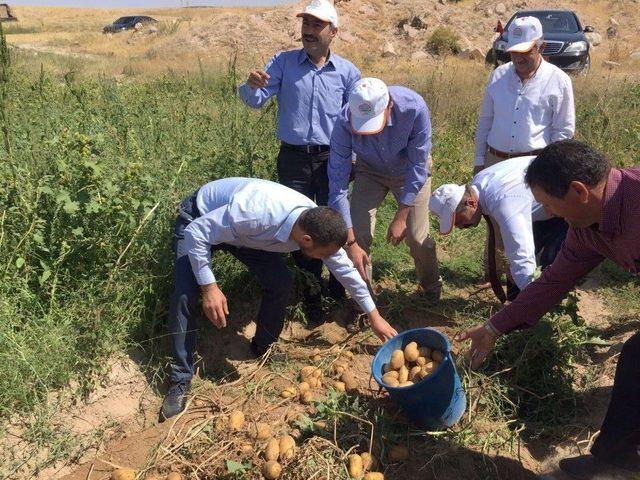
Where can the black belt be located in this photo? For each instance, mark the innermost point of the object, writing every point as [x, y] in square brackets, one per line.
[306, 148]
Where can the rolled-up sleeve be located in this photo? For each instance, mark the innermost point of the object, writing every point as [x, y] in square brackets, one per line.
[200, 235]
[573, 262]
[257, 97]
[339, 166]
[485, 120]
[418, 148]
[342, 268]
[563, 125]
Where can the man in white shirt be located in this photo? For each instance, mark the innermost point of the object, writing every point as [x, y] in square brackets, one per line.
[528, 103]
[255, 221]
[500, 193]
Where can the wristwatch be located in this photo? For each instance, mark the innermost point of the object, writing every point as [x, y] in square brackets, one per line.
[491, 329]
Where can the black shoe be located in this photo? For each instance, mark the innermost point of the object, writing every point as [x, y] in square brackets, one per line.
[257, 350]
[586, 467]
[175, 400]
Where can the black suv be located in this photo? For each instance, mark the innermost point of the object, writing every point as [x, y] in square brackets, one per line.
[128, 23]
[566, 45]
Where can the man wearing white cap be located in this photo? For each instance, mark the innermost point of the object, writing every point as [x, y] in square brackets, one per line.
[499, 194]
[311, 85]
[389, 130]
[528, 102]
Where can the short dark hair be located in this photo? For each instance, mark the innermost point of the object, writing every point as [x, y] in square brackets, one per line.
[564, 162]
[324, 225]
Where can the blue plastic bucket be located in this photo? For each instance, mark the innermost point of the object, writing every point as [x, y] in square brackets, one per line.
[436, 402]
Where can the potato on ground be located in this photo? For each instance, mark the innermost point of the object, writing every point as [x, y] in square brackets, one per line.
[123, 474]
[373, 476]
[174, 476]
[271, 470]
[287, 447]
[355, 467]
[236, 420]
[272, 452]
[367, 461]
[350, 383]
[262, 431]
[288, 392]
[306, 397]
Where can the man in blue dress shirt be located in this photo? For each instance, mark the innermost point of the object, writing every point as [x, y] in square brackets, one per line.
[255, 221]
[311, 85]
[390, 132]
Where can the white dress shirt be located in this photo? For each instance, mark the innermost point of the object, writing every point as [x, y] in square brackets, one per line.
[505, 197]
[517, 118]
[257, 214]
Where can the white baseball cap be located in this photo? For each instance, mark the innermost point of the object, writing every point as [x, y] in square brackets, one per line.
[523, 34]
[444, 202]
[368, 102]
[322, 9]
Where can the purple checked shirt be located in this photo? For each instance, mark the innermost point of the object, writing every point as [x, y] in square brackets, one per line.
[616, 237]
[400, 150]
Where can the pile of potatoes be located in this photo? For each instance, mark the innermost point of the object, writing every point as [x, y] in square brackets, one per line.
[411, 366]
[358, 467]
[283, 449]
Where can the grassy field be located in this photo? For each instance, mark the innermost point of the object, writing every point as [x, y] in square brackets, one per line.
[90, 173]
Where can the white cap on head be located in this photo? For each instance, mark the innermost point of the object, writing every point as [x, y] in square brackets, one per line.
[523, 34]
[368, 102]
[322, 9]
[444, 202]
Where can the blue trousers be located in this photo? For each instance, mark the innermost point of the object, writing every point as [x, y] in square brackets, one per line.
[185, 310]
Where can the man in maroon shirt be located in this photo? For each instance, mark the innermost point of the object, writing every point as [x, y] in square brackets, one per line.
[602, 206]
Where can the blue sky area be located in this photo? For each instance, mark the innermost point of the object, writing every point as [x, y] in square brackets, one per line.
[143, 3]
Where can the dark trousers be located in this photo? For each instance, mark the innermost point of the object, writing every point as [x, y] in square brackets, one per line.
[184, 310]
[306, 173]
[620, 432]
[548, 236]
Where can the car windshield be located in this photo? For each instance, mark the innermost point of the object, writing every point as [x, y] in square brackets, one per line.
[555, 22]
[123, 20]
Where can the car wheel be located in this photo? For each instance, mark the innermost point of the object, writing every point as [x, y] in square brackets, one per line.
[587, 65]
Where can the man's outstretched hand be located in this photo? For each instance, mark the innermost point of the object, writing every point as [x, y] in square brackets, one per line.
[482, 344]
[381, 327]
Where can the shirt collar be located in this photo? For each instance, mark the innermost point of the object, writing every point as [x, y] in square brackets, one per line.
[284, 232]
[303, 57]
[612, 203]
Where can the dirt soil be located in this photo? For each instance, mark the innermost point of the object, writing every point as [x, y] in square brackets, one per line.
[126, 410]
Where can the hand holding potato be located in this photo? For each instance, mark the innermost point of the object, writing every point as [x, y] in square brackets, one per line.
[482, 344]
[214, 304]
[258, 79]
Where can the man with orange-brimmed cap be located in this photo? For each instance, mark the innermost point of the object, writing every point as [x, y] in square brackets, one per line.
[389, 130]
[528, 103]
[311, 85]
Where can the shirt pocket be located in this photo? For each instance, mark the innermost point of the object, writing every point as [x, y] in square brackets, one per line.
[331, 93]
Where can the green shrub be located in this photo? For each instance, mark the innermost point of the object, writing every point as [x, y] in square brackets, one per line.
[443, 41]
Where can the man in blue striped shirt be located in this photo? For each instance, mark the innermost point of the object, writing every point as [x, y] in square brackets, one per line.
[255, 221]
[311, 85]
[389, 130]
